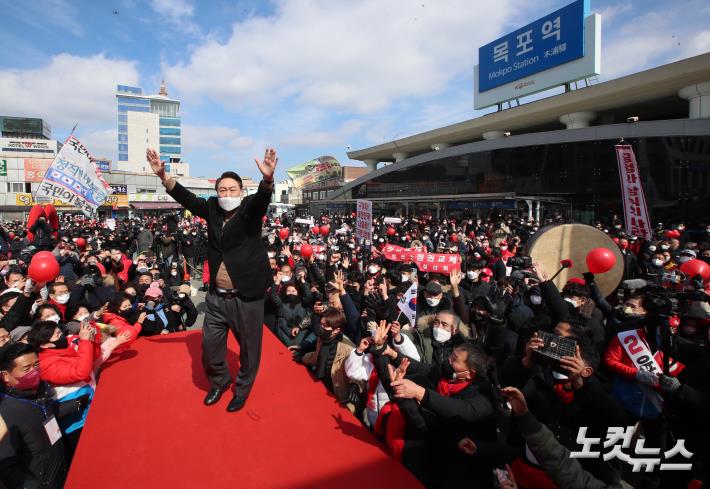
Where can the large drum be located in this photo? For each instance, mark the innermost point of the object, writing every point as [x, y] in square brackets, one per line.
[552, 244]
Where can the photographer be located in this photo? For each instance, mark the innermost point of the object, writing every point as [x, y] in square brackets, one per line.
[182, 307]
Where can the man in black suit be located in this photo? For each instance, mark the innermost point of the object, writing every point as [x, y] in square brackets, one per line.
[242, 274]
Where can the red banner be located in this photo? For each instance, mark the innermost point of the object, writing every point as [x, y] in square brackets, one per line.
[635, 210]
[426, 262]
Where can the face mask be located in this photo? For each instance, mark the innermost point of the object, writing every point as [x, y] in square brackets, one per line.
[572, 301]
[404, 278]
[54, 318]
[535, 300]
[142, 269]
[29, 381]
[173, 273]
[656, 262]
[471, 275]
[62, 298]
[664, 247]
[82, 317]
[229, 203]
[440, 334]
[503, 248]
[448, 372]
[125, 313]
[454, 249]
[150, 305]
[651, 249]
[292, 299]
[286, 278]
[324, 334]
[432, 301]
[61, 343]
[372, 270]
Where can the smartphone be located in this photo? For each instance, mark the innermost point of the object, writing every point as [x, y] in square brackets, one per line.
[12, 262]
[501, 475]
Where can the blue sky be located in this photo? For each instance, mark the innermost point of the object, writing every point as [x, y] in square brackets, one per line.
[308, 77]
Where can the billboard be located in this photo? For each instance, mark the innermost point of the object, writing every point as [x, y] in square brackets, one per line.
[16, 145]
[561, 47]
[314, 172]
[35, 168]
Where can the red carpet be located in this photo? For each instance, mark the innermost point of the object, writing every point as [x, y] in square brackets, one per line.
[148, 428]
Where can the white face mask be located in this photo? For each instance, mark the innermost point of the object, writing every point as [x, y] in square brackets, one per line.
[82, 317]
[440, 334]
[572, 301]
[373, 269]
[53, 318]
[62, 298]
[286, 278]
[432, 301]
[471, 275]
[656, 262]
[536, 300]
[405, 278]
[173, 273]
[229, 203]
[651, 249]
[503, 248]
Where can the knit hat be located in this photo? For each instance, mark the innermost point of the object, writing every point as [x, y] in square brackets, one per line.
[154, 290]
[19, 332]
[8, 294]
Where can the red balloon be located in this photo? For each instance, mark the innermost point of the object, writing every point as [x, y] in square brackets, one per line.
[390, 231]
[696, 267]
[455, 238]
[43, 267]
[600, 260]
[283, 233]
[324, 230]
[676, 233]
[315, 230]
[81, 244]
[306, 250]
[668, 234]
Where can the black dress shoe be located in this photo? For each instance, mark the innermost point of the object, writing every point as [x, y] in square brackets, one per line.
[236, 403]
[215, 393]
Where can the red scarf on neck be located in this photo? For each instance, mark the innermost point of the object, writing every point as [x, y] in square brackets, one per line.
[565, 396]
[448, 388]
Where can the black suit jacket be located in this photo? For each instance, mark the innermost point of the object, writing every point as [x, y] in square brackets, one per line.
[238, 244]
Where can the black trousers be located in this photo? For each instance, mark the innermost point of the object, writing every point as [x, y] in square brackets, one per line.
[245, 320]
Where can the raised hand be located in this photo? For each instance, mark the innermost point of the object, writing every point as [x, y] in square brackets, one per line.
[516, 399]
[380, 335]
[455, 278]
[268, 165]
[156, 164]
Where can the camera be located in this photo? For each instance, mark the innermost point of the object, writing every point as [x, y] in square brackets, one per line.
[520, 262]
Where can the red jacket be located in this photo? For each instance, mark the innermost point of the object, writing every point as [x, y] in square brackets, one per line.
[67, 365]
[618, 361]
[127, 262]
[123, 326]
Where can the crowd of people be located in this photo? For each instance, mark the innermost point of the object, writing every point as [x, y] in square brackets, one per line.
[459, 393]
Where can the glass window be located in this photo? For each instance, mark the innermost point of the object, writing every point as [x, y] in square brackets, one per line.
[15, 187]
[170, 131]
[122, 118]
[122, 156]
[170, 149]
[169, 140]
[122, 128]
[170, 121]
[123, 137]
[123, 147]
[132, 100]
[132, 108]
[129, 89]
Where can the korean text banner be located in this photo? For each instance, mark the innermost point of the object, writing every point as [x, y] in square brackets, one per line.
[74, 179]
[363, 221]
[636, 216]
[550, 41]
[314, 172]
[443, 263]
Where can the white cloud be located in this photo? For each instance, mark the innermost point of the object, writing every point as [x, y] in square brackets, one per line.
[175, 9]
[68, 90]
[213, 138]
[353, 56]
[101, 143]
[324, 137]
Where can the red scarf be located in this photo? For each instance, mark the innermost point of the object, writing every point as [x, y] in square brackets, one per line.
[392, 432]
[62, 308]
[372, 386]
[448, 388]
[565, 396]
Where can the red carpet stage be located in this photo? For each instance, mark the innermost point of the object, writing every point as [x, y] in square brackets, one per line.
[147, 428]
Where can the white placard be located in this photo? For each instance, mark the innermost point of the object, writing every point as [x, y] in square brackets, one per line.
[363, 222]
[393, 220]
